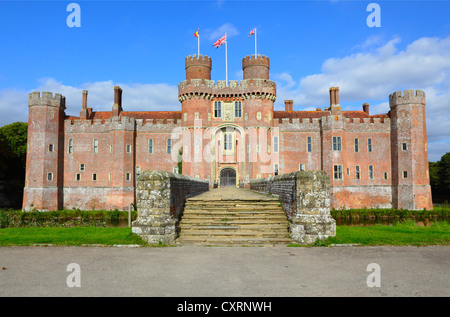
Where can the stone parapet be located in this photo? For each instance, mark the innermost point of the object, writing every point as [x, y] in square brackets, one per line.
[160, 198]
[305, 197]
[208, 89]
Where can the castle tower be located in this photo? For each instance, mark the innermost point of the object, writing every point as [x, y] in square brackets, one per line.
[409, 153]
[45, 154]
[198, 67]
[256, 67]
[260, 95]
[196, 108]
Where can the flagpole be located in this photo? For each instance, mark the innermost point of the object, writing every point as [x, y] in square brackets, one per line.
[198, 50]
[226, 61]
[255, 43]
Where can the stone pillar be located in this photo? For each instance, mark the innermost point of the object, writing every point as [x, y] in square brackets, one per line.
[160, 198]
[305, 197]
[312, 219]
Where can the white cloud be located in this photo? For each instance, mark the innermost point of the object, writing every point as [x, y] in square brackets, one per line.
[378, 71]
[215, 34]
[135, 97]
[13, 106]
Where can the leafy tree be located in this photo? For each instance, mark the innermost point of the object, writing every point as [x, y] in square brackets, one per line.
[444, 176]
[13, 151]
[440, 179]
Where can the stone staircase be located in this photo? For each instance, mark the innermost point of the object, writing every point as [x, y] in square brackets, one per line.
[233, 216]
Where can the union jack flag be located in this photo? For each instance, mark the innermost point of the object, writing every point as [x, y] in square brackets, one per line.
[220, 41]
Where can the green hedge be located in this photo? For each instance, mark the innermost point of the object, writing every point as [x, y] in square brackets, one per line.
[375, 213]
[61, 218]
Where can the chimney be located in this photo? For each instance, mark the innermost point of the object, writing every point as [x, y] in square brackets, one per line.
[335, 108]
[288, 105]
[84, 114]
[366, 107]
[332, 102]
[117, 106]
[84, 104]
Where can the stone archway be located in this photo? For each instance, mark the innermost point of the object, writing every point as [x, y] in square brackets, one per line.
[227, 177]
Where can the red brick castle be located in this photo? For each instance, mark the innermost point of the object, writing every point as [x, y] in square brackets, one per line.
[229, 134]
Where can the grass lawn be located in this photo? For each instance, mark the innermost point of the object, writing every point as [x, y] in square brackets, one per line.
[68, 236]
[404, 233]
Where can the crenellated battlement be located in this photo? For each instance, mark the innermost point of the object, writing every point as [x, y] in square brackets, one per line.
[259, 60]
[116, 123]
[46, 99]
[408, 97]
[247, 88]
[200, 59]
[198, 67]
[256, 67]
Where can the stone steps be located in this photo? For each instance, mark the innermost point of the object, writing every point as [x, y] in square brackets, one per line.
[233, 221]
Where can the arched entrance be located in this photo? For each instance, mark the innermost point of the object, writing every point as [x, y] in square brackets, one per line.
[227, 177]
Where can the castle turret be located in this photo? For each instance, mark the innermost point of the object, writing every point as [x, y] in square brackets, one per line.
[45, 152]
[198, 67]
[410, 177]
[256, 67]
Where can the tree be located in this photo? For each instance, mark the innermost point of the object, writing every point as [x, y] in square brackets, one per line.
[440, 179]
[13, 151]
[444, 176]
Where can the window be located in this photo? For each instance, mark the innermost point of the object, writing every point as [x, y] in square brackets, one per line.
[275, 144]
[169, 146]
[128, 177]
[95, 145]
[337, 171]
[336, 143]
[94, 177]
[110, 148]
[258, 115]
[109, 176]
[196, 116]
[238, 109]
[150, 146]
[217, 109]
[227, 141]
[138, 170]
[309, 143]
[82, 167]
[357, 172]
[70, 146]
[78, 176]
[385, 175]
[405, 174]
[369, 145]
[404, 147]
[301, 167]
[128, 148]
[49, 176]
[50, 147]
[275, 169]
[370, 171]
[175, 169]
[356, 145]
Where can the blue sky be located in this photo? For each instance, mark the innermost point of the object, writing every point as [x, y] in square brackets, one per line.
[312, 45]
